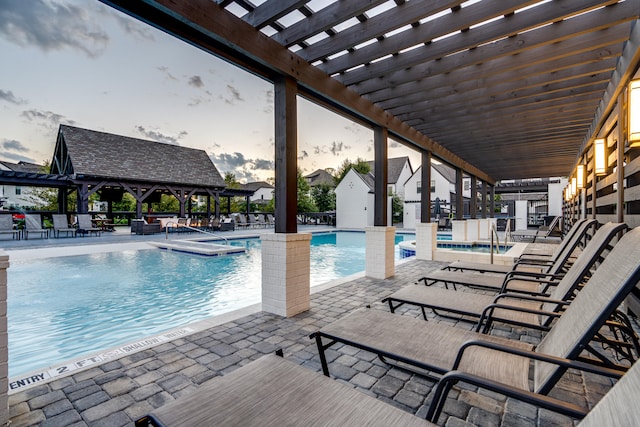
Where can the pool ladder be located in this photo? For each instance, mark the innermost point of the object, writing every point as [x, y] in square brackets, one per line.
[166, 231]
[494, 233]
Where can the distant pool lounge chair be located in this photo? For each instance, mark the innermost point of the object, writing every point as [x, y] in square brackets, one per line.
[517, 309]
[85, 226]
[566, 248]
[511, 280]
[61, 224]
[438, 348]
[33, 225]
[6, 226]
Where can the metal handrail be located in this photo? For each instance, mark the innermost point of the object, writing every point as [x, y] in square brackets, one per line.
[166, 231]
[494, 232]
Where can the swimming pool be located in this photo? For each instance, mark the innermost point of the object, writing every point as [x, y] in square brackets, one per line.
[62, 308]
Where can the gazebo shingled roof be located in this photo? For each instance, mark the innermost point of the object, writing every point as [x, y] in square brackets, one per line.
[93, 154]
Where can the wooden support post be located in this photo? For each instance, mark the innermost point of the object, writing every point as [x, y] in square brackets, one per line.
[459, 195]
[286, 149]
[485, 208]
[380, 170]
[492, 201]
[425, 192]
[473, 203]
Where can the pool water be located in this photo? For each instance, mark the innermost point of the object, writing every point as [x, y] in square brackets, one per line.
[62, 308]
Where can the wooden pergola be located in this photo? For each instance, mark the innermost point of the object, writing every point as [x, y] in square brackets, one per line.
[108, 164]
[498, 89]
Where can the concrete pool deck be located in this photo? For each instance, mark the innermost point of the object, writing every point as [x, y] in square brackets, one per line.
[119, 391]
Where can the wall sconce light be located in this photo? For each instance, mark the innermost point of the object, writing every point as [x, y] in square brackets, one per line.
[574, 186]
[600, 154]
[580, 176]
[567, 193]
[633, 109]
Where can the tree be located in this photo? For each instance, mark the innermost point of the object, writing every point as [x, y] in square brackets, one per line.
[397, 209]
[305, 201]
[360, 165]
[324, 197]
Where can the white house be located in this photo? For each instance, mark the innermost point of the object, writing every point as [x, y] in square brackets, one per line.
[442, 187]
[355, 201]
[399, 170]
[262, 191]
[16, 195]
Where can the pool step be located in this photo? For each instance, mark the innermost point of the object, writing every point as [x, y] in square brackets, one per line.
[199, 248]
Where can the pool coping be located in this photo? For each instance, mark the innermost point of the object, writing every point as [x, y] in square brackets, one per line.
[72, 366]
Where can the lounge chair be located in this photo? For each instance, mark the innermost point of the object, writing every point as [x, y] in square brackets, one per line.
[33, 225]
[272, 391]
[6, 226]
[576, 235]
[532, 235]
[61, 224]
[513, 280]
[275, 391]
[241, 221]
[435, 347]
[85, 226]
[522, 310]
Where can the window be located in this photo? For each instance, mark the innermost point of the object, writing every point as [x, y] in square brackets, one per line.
[433, 185]
[419, 187]
[18, 190]
[467, 185]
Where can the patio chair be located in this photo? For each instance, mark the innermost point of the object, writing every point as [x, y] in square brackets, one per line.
[85, 226]
[514, 280]
[33, 225]
[272, 391]
[241, 221]
[271, 220]
[61, 224]
[512, 308]
[438, 348]
[527, 260]
[6, 226]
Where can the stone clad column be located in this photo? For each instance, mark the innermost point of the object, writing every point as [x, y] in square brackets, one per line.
[380, 257]
[4, 342]
[459, 230]
[286, 278]
[426, 240]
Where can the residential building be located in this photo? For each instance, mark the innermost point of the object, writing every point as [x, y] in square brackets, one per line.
[16, 196]
[355, 199]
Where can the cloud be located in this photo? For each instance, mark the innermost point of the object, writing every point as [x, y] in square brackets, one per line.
[7, 95]
[130, 25]
[241, 166]
[46, 119]
[14, 151]
[233, 95]
[13, 157]
[159, 136]
[394, 144]
[51, 26]
[196, 81]
[12, 144]
[165, 70]
[303, 155]
[270, 102]
[337, 147]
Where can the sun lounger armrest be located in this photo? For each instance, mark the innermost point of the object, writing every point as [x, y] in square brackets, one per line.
[560, 361]
[525, 274]
[528, 297]
[487, 315]
[532, 261]
[546, 402]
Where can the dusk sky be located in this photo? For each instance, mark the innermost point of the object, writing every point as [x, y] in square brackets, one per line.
[81, 63]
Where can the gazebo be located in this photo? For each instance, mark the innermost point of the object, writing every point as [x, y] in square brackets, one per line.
[108, 164]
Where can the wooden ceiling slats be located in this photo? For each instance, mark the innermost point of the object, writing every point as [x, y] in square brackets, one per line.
[323, 20]
[448, 96]
[550, 34]
[455, 21]
[499, 83]
[395, 18]
[269, 12]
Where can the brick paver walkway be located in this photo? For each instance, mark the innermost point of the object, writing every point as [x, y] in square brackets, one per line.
[118, 392]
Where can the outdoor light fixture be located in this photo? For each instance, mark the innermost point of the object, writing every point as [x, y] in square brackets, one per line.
[567, 193]
[574, 186]
[600, 154]
[580, 175]
[634, 113]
